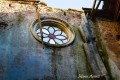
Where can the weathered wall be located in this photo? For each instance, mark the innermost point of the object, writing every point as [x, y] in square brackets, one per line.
[22, 57]
[109, 31]
[108, 44]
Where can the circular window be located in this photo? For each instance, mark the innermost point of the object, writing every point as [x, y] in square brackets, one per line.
[55, 32]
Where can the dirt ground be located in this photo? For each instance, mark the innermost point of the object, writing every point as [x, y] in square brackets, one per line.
[109, 31]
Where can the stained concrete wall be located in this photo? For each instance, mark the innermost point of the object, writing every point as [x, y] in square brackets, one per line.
[22, 56]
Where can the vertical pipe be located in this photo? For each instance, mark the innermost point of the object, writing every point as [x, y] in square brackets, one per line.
[39, 24]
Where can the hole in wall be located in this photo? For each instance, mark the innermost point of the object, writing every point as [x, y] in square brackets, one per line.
[3, 25]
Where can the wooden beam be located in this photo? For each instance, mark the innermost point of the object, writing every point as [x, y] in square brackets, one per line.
[98, 4]
[101, 13]
[93, 7]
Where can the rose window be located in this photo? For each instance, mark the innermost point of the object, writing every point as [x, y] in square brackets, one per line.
[55, 32]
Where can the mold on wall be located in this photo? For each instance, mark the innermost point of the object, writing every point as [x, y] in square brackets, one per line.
[22, 56]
